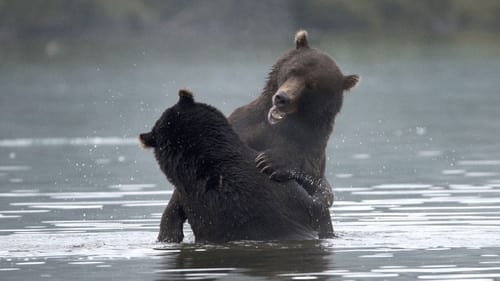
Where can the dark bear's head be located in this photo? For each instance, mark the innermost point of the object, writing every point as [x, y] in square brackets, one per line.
[306, 80]
[189, 138]
[165, 133]
[188, 125]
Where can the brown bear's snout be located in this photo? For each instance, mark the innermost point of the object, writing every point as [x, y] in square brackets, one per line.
[281, 99]
[285, 100]
[288, 93]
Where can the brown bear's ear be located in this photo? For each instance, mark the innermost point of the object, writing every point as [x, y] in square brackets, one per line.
[301, 39]
[147, 140]
[185, 97]
[350, 81]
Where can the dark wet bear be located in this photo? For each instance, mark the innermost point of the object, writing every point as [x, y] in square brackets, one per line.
[222, 194]
[290, 124]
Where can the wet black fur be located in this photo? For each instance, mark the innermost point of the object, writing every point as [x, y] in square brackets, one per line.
[221, 193]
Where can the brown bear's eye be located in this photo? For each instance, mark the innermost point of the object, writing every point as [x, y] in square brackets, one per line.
[310, 85]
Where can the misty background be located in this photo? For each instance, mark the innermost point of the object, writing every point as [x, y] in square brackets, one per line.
[238, 19]
[92, 69]
[111, 49]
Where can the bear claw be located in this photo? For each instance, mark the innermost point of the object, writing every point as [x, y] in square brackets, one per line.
[261, 162]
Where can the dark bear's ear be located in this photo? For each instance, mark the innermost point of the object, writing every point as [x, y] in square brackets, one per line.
[185, 97]
[350, 81]
[147, 140]
[301, 39]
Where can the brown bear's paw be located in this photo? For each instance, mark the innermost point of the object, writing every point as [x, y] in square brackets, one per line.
[265, 165]
[281, 175]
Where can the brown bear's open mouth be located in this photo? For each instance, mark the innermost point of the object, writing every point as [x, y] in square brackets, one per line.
[275, 115]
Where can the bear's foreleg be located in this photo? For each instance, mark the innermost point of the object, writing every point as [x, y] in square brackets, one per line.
[172, 221]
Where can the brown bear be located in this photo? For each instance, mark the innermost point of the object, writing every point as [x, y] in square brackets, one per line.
[291, 121]
[222, 194]
[290, 124]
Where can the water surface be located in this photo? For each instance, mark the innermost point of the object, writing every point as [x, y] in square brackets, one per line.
[414, 161]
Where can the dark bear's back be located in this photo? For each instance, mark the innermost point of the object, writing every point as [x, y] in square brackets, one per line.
[260, 210]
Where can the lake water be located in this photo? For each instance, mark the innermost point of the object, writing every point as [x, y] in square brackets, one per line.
[414, 161]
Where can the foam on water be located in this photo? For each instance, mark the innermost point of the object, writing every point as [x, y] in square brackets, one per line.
[98, 141]
[14, 168]
[479, 162]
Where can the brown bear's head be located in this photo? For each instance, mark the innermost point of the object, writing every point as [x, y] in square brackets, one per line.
[306, 80]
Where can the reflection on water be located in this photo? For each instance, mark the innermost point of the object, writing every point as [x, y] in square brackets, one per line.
[417, 183]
